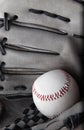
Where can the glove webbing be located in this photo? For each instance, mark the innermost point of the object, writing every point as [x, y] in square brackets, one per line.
[32, 117]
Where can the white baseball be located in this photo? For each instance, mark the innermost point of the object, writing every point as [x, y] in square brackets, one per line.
[54, 92]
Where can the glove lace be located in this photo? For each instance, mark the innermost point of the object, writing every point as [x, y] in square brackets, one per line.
[7, 21]
[2, 64]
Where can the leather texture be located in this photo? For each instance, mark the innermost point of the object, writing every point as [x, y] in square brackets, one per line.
[37, 36]
[20, 37]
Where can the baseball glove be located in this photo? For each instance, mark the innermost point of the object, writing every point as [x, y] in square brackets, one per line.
[36, 37]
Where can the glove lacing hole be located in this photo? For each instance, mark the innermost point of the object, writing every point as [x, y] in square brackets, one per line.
[1, 88]
[20, 87]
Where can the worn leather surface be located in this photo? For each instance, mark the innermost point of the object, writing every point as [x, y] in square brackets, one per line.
[67, 8]
[68, 47]
[70, 50]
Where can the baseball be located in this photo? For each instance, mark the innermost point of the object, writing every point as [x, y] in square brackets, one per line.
[54, 92]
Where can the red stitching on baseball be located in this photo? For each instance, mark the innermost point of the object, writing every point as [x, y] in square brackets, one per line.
[57, 94]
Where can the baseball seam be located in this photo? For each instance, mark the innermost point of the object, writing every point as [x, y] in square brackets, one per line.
[55, 95]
